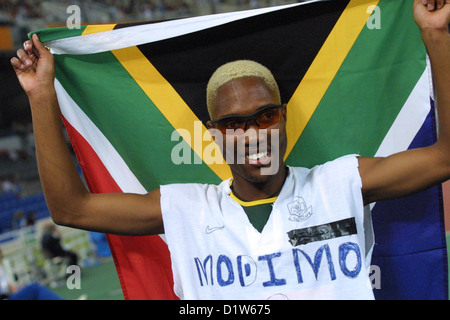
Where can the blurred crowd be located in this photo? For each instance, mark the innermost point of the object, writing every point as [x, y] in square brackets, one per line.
[37, 14]
[11, 10]
[97, 11]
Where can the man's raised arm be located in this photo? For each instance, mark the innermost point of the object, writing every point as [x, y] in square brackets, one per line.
[414, 170]
[69, 202]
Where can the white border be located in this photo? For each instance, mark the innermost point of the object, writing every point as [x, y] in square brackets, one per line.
[409, 120]
[147, 33]
[108, 155]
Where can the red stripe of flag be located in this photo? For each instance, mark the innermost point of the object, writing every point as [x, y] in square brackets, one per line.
[143, 263]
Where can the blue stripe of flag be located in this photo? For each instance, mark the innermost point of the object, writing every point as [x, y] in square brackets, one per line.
[410, 248]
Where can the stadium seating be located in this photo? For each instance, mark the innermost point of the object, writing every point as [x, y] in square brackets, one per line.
[10, 204]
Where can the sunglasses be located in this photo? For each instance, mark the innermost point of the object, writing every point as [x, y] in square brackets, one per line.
[263, 118]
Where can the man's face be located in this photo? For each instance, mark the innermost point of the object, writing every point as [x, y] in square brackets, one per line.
[246, 96]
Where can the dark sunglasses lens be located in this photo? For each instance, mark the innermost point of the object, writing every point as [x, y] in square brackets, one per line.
[231, 124]
[264, 119]
[268, 117]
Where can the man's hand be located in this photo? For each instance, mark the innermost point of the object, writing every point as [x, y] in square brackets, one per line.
[432, 15]
[36, 73]
[68, 200]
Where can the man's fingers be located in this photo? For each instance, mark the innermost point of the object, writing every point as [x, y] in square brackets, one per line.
[435, 4]
[17, 64]
[430, 4]
[28, 46]
[24, 57]
[40, 49]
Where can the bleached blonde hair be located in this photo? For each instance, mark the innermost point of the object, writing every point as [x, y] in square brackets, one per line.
[235, 70]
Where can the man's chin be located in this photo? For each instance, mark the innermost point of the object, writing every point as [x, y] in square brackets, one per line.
[255, 173]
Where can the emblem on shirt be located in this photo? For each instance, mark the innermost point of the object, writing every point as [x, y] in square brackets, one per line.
[299, 210]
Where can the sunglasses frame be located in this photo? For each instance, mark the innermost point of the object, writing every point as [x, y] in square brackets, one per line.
[246, 118]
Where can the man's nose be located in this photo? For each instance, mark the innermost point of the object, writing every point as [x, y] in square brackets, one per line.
[251, 124]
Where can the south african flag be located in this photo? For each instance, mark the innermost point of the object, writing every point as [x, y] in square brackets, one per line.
[354, 75]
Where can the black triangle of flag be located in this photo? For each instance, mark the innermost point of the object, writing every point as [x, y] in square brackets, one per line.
[188, 61]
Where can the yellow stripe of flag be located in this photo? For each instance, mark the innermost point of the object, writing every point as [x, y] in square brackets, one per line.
[322, 71]
[95, 28]
[164, 96]
[169, 103]
[301, 106]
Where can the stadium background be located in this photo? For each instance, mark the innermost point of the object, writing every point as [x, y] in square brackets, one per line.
[20, 193]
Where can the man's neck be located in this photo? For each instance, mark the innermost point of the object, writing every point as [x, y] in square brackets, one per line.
[251, 191]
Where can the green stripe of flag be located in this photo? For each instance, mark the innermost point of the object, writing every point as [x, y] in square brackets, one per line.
[46, 35]
[368, 92]
[112, 99]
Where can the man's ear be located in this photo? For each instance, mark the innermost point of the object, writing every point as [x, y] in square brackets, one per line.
[284, 112]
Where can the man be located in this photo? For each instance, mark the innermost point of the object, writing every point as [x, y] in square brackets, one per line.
[315, 241]
[51, 245]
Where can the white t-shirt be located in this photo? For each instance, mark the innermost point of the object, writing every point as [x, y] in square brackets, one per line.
[316, 244]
